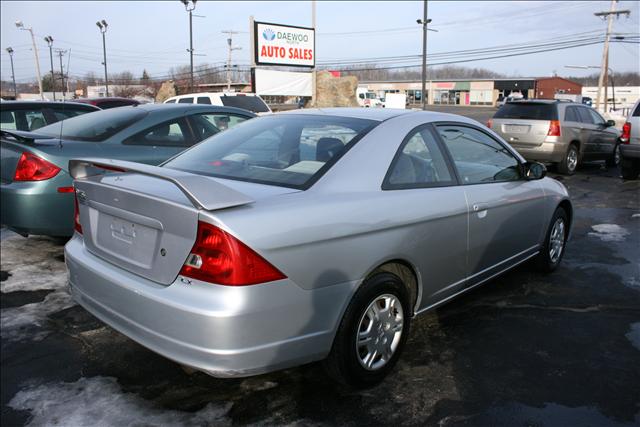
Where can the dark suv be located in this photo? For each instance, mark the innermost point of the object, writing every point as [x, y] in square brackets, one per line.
[559, 132]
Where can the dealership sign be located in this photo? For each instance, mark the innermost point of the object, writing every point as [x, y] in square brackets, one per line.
[284, 45]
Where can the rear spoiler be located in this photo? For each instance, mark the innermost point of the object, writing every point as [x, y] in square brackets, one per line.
[20, 138]
[203, 192]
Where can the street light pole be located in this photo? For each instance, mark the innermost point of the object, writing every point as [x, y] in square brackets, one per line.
[49, 41]
[424, 22]
[21, 26]
[189, 6]
[102, 25]
[13, 74]
[60, 53]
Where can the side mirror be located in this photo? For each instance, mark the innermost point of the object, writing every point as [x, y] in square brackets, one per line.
[534, 170]
[610, 123]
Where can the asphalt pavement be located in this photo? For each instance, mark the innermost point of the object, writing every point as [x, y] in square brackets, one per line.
[525, 349]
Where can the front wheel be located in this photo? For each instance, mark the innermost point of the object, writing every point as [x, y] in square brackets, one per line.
[569, 163]
[372, 333]
[555, 241]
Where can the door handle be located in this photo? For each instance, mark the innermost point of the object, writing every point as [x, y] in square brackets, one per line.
[480, 209]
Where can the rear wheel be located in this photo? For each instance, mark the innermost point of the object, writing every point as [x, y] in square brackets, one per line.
[614, 160]
[554, 244]
[569, 162]
[372, 333]
[630, 168]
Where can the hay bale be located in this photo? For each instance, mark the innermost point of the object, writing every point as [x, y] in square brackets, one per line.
[166, 91]
[335, 91]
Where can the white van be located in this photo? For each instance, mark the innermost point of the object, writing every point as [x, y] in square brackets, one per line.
[247, 101]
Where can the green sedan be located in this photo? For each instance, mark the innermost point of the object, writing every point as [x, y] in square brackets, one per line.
[36, 190]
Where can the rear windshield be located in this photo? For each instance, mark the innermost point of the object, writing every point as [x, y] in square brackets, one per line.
[251, 103]
[287, 150]
[96, 126]
[527, 111]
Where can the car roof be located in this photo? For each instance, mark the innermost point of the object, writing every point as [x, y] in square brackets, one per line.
[378, 114]
[111, 98]
[188, 107]
[196, 94]
[59, 104]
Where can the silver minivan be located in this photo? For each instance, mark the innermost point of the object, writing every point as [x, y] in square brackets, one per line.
[559, 132]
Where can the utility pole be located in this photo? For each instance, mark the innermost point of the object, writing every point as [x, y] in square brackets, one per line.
[231, 49]
[21, 26]
[314, 92]
[189, 6]
[49, 41]
[13, 74]
[605, 53]
[60, 54]
[424, 22]
[102, 25]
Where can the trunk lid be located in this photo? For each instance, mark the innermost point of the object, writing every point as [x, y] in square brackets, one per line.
[12, 145]
[520, 132]
[138, 220]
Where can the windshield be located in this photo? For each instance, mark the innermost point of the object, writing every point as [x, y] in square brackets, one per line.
[251, 103]
[287, 150]
[527, 111]
[96, 126]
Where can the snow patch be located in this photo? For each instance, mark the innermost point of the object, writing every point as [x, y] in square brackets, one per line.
[634, 335]
[609, 232]
[99, 401]
[33, 266]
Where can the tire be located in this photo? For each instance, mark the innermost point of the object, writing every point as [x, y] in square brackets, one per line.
[569, 162]
[547, 261]
[630, 168]
[346, 361]
[615, 158]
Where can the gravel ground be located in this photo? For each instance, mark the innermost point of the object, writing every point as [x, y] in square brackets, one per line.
[524, 349]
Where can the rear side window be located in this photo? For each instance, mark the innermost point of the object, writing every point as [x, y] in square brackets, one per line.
[636, 112]
[204, 100]
[185, 101]
[172, 133]
[251, 103]
[571, 115]
[478, 157]
[170, 101]
[418, 163]
[527, 111]
[27, 120]
[288, 150]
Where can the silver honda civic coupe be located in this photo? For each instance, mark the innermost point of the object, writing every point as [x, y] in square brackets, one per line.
[305, 236]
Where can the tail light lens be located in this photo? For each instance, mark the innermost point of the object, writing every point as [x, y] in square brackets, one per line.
[626, 133]
[32, 168]
[489, 123]
[76, 214]
[554, 128]
[220, 258]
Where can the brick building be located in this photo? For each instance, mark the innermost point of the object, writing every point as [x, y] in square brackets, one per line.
[547, 87]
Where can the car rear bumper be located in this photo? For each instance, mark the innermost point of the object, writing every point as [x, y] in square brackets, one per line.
[630, 151]
[37, 208]
[222, 330]
[552, 152]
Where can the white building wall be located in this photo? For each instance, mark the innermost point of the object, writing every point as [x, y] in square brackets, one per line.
[625, 96]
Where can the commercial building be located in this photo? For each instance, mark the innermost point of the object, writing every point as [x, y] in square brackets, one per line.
[625, 97]
[474, 91]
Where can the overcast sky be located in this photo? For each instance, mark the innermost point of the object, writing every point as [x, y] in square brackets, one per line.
[154, 35]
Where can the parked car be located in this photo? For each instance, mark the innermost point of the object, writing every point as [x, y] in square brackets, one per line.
[559, 132]
[36, 192]
[32, 115]
[307, 235]
[111, 102]
[247, 101]
[587, 101]
[630, 147]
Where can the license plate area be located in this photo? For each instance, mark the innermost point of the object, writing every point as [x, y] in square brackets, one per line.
[516, 128]
[129, 241]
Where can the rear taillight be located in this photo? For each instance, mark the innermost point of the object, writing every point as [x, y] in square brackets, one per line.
[32, 168]
[554, 128]
[220, 258]
[626, 133]
[489, 123]
[76, 214]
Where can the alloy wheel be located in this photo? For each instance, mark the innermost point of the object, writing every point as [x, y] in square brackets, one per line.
[556, 240]
[379, 332]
